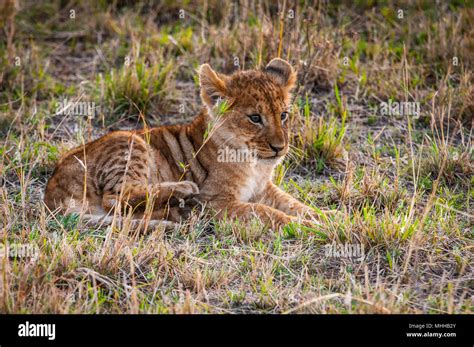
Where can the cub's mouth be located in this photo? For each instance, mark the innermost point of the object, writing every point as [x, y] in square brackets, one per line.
[270, 155]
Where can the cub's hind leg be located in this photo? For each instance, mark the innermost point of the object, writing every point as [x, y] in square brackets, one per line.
[166, 200]
[131, 180]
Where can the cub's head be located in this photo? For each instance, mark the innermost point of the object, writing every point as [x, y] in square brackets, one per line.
[257, 114]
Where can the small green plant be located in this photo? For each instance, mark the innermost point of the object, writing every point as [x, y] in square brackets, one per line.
[453, 165]
[133, 89]
[319, 142]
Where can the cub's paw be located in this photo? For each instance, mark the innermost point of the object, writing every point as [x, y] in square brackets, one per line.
[321, 216]
[307, 222]
[185, 189]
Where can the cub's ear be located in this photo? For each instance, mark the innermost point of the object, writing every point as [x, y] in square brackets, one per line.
[213, 85]
[281, 72]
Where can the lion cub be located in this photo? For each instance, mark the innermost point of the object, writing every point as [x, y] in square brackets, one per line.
[153, 172]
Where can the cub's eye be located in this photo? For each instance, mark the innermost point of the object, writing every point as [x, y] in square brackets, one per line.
[284, 116]
[255, 118]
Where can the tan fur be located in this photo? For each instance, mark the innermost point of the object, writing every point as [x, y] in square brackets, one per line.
[156, 172]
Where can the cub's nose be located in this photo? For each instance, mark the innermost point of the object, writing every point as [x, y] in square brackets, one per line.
[277, 148]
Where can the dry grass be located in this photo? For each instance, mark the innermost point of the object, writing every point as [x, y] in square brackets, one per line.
[403, 184]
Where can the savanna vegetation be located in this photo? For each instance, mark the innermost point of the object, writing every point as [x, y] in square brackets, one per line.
[403, 181]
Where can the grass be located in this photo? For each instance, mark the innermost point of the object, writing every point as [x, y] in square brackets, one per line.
[131, 90]
[319, 142]
[403, 184]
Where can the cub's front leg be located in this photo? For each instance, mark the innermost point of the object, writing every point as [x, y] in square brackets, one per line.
[278, 199]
